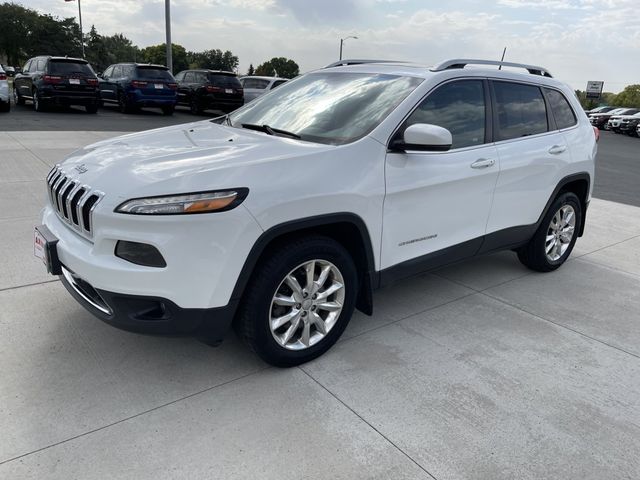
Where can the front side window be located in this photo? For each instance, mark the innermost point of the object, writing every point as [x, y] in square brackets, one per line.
[40, 65]
[328, 107]
[117, 71]
[562, 111]
[457, 106]
[108, 72]
[188, 77]
[520, 110]
[180, 77]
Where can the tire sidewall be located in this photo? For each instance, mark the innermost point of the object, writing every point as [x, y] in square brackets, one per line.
[564, 199]
[265, 345]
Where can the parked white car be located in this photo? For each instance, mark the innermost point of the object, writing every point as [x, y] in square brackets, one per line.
[254, 86]
[5, 102]
[284, 216]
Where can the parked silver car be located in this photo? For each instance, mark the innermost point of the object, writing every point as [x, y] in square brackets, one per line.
[5, 103]
[255, 86]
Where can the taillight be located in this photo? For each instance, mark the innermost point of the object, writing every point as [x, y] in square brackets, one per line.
[3, 76]
[138, 84]
[92, 81]
[172, 86]
[52, 79]
[213, 89]
[596, 131]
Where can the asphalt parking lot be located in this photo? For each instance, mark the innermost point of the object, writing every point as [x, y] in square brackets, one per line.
[481, 370]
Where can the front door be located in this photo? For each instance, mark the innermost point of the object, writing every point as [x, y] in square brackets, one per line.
[436, 200]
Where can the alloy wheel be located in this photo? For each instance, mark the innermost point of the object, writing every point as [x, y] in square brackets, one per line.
[306, 304]
[560, 232]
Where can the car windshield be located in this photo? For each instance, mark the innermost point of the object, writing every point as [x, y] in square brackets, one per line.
[333, 108]
[151, 73]
[66, 67]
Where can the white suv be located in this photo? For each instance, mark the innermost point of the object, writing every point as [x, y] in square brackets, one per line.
[284, 216]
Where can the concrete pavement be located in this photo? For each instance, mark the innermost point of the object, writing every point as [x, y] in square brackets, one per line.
[482, 370]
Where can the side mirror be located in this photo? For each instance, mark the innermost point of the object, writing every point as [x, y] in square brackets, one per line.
[423, 137]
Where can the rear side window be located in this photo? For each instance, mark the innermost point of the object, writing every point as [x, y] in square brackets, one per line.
[228, 81]
[520, 110]
[457, 106]
[562, 111]
[64, 67]
[147, 73]
[277, 83]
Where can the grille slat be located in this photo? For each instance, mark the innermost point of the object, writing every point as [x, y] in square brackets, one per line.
[73, 201]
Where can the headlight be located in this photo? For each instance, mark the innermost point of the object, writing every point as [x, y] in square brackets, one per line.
[199, 202]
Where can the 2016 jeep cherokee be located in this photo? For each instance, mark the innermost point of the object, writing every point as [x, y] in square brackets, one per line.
[284, 216]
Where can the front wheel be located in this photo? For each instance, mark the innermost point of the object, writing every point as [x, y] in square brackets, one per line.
[19, 99]
[194, 106]
[299, 301]
[555, 238]
[38, 104]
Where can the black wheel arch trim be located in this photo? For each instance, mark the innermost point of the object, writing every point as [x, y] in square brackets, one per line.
[368, 279]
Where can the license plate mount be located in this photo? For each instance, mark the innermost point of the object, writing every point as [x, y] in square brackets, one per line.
[45, 248]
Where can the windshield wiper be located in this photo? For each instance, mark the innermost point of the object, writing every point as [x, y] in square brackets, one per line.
[270, 130]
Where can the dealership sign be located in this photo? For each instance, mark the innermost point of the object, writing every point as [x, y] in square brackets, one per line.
[594, 89]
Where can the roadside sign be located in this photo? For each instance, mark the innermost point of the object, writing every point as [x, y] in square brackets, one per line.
[594, 89]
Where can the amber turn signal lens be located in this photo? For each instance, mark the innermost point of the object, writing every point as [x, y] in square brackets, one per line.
[209, 205]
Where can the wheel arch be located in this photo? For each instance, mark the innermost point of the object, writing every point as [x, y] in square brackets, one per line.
[346, 228]
[579, 184]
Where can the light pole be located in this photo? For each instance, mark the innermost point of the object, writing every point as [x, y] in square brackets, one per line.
[79, 21]
[342, 42]
[167, 19]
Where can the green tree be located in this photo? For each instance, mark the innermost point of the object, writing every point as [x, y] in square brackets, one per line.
[279, 66]
[251, 70]
[214, 59]
[629, 97]
[158, 54]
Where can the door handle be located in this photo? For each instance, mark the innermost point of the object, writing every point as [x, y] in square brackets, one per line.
[557, 149]
[483, 163]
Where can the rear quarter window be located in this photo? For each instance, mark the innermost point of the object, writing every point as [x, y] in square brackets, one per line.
[228, 81]
[561, 109]
[521, 110]
[257, 83]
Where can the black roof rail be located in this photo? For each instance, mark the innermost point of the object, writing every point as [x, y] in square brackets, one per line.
[463, 62]
[359, 61]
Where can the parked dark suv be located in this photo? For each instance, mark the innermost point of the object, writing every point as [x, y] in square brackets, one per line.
[135, 85]
[214, 89]
[57, 81]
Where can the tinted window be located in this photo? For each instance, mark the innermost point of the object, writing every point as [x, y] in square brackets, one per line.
[521, 110]
[188, 77]
[562, 111]
[277, 83]
[39, 65]
[329, 107]
[459, 107]
[150, 73]
[64, 67]
[117, 71]
[201, 77]
[180, 76]
[108, 72]
[257, 83]
[228, 81]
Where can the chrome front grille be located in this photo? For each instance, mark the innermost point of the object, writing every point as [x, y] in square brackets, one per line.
[73, 201]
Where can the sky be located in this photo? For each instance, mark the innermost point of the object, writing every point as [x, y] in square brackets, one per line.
[577, 40]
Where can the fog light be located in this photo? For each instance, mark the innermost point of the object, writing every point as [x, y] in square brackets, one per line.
[140, 254]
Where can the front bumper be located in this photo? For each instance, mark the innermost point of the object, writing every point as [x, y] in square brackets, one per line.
[149, 315]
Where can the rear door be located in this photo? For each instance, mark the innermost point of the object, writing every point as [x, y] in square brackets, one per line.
[107, 86]
[533, 154]
[21, 81]
[436, 200]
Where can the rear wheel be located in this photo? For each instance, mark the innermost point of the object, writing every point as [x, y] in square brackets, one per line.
[168, 110]
[555, 238]
[38, 104]
[299, 301]
[92, 108]
[194, 106]
[123, 104]
[19, 99]
[5, 106]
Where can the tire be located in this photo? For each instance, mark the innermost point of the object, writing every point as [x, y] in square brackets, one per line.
[93, 108]
[19, 100]
[194, 106]
[5, 106]
[168, 110]
[258, 309]
[534, 255]
[38, 105]
[123, 104]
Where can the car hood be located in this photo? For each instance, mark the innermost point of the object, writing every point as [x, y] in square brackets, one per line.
[147, 161]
